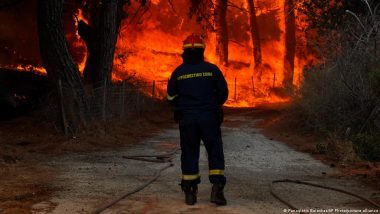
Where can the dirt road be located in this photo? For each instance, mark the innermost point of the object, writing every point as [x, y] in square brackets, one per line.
[252, 161]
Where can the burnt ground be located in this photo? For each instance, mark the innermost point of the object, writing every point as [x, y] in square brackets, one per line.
[44, 173]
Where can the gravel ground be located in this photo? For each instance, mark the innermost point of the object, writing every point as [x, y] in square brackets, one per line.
[88, 181]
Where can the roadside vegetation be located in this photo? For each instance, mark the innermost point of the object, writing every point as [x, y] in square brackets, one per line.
[340, 98]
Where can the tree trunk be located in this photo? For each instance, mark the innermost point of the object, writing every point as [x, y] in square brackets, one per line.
[107, 37]
[290, 44]
[100, 37]
[221, 31]
[57, 60]
[255, 35]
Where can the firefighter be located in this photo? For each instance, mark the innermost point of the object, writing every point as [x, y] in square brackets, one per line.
[198, 91]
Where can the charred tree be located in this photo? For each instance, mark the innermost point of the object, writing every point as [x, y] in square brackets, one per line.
[221, 31]
[57, 60]
[255, 35]
[290, 43]
[100, 37]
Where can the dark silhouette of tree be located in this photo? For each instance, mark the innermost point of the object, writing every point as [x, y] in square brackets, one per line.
[100, 36]
[334, 13]
[255, 35]
[290, 43]
[221, 31]
[57, 60]
[212, 15]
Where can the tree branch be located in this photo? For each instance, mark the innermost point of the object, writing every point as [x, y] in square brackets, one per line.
[231, 4]
[172, 6]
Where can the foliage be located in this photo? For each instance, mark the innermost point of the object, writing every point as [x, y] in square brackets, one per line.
[374, 78]
[327, 16]
[367, 146]
[341, 95]
[341, 149]
[202, 10]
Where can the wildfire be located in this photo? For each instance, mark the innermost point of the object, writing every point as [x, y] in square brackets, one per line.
[149, 49]
[150, 52]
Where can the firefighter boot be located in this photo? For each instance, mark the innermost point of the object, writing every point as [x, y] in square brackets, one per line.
[190, 193]
[217, 195]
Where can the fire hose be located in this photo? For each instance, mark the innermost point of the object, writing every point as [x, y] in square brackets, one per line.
[167, 158]
[163, 158]
[318, 186]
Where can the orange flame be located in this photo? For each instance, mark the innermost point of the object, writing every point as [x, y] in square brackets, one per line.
[27, 68]
[151, 51]
[79, 43]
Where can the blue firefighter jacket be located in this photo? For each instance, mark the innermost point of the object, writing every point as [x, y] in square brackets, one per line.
[197, 87]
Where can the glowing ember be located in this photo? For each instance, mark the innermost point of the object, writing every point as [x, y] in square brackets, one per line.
[27, 68]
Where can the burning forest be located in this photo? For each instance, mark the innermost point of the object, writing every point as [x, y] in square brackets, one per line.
[261, 47]
[97, 98]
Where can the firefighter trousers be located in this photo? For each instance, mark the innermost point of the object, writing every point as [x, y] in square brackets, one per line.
[193, 128]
